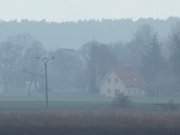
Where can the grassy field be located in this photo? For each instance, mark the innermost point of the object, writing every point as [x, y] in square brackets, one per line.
[63, 102]
[94, 122]
[86, 115]
[75, 102]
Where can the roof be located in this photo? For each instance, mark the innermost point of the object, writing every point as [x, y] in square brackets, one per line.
[131, 77]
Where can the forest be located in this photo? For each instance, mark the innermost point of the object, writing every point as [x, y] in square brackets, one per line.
[149, 47]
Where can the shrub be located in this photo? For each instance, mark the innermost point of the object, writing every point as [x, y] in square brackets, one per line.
[171, 105]
[121, 100]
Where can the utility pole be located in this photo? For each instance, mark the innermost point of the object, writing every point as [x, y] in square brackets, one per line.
[45, 61]
[46, 84]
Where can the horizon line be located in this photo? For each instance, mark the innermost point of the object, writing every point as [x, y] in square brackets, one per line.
[87, 19]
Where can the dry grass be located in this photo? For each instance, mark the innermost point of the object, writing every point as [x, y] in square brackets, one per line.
[94, 122]
[86, 119]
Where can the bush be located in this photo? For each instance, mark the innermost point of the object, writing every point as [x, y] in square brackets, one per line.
[171, 105]
[121, 100]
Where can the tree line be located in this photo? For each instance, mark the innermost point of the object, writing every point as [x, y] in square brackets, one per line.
[81, 70]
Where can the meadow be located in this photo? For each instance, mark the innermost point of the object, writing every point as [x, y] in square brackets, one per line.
[78, 102]
[86, 116]
[94, 122]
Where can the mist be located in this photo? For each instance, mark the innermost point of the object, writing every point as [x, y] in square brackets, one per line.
[89, 67]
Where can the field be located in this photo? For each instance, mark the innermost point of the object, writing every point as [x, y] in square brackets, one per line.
[86, 116]
[63, 102]
[95, 122]
[74, 101]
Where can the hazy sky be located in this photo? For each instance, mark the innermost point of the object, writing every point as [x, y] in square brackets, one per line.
[68, 10]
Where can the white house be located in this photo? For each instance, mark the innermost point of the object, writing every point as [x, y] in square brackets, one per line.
[124, 82]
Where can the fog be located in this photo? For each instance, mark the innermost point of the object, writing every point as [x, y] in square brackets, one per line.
[90, 76]
[84, 58]
[73, 35]
[80, 67]
[73, 10]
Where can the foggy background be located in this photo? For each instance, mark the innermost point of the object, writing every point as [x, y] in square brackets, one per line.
[90, 41]
[74, 10]
[83, 67]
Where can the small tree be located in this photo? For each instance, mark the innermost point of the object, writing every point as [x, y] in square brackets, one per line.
[121, 100]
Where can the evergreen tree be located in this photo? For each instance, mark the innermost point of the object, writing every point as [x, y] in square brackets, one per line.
[152, 65]
[148, 51]
[175, 54]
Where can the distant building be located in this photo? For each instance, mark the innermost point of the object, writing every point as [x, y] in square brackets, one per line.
[127, 82]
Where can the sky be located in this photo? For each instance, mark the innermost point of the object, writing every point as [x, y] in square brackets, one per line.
[74, 10]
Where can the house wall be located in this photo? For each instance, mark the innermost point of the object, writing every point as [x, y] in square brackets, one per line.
[112, 86]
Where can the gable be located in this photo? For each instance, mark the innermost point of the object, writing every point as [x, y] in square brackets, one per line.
[130, 79]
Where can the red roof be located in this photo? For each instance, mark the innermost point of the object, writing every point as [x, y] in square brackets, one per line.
[131, 77]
